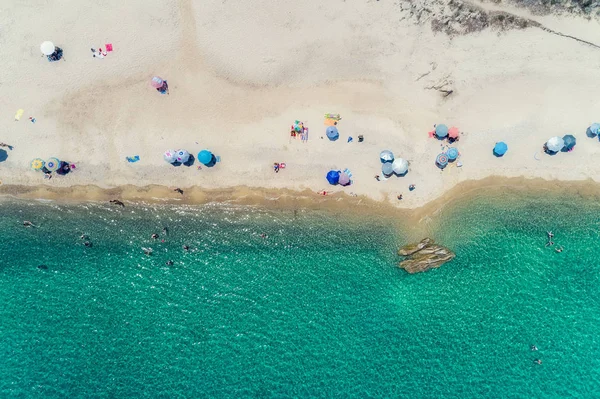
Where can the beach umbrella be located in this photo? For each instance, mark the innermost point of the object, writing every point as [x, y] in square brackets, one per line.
[500, 148]
[170, 156]
[453, 132]
[569, 141]
[156, 82]
[386, 156]
[52, 164]
[593, 130]
[205, 157]
[332, 133]
[400, 166]
[344, 179]
[333, 177]
[452, 154]
[387, 169]
[182, 156]
[47, 48]
[555, 144]
[441, 131]
[37, 164]
[442, 160]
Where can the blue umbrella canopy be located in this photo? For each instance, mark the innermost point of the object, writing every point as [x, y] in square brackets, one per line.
[332, 133]
[205, 157]
[452, 153]
[500, 148]
[441, 131]
[593, 130]
[386, 156]
[333, 177]
[442, 160]
[570, 142]
[387, 169]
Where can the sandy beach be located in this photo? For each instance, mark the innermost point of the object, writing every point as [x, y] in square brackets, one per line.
[239, 75]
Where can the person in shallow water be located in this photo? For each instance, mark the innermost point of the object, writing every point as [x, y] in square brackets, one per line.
[27, 223]
[558, 249]
[186, 248]
[534, 348]
[169, 263]
[87, 244]
[166, 230]
[154, 236]
[537, 361]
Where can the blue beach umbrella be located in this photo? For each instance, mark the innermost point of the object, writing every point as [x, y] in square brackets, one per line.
[386, 156]
[333, 177]
[593, 130]
[452, 154]
[387, 169]
[441, 160]
[441, 131]
[205, 157]
[332, 133]
[570, 142]
[500, 149]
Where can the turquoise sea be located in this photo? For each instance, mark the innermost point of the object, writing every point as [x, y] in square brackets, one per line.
[316, 308]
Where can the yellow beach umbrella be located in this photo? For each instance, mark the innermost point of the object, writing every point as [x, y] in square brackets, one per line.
[37, 164]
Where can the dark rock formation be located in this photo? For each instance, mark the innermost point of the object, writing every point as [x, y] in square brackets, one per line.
[424, 255]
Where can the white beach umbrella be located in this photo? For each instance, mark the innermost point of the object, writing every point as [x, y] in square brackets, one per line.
[182, 156]
[400, 166]
[47, 48]
[386, 156]
[170, 156]
[555, 144]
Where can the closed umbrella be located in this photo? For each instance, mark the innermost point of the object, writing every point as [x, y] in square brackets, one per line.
[453, 132]
[386, 156]
[182, 156]
[593, 130]
[52, 164]
[441, 131]
[205, 157]
[332, 133]
[442, 160]
[400, 166]
[37, 164]
[555, 144]
[344, 179]
[170, 156]
[156, 82]
[452, 154]
[333, 177]
[47, 48]
[569, 141]
[387, 169]
[500, 148]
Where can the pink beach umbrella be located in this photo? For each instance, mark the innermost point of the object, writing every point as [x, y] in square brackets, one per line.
[156, 82]
[344, 179]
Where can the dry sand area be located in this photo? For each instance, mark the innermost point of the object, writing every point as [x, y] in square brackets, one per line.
[241, 72]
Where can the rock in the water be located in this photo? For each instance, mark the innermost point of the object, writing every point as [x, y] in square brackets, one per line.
[424, 256]
[412, 248]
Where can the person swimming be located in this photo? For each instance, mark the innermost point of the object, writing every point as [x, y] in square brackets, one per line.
[87, 244]
[558, 249]
[154, 236]
[186, 248]
[550, 235]
[169, 263]
[534, 348]
[27, 223]
[147, 251]
[550, 243]
[537, 361]
[84, 237]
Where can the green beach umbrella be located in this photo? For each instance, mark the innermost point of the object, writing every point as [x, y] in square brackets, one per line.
[37, 164]
[52, 164]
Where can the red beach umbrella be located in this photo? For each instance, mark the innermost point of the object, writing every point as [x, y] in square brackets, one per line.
[156, 82]
[453, 132]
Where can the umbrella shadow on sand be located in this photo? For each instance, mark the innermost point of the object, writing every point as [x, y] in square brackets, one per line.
[187, 163]
[3, 155]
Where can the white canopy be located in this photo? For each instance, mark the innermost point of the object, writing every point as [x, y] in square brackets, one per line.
[555, 144]
[170, 156]
[400, 166]
[47, 48]
[182, 156]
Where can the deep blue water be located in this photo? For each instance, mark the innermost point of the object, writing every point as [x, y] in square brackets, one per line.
[317, 308]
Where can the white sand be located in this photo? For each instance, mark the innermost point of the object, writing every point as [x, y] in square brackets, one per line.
[240, 73]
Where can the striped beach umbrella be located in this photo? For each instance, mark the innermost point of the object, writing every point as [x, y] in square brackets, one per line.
[170, 156]
[37, 164]
[441, 160]
[52, 164]
[452, 154]
[441, 131]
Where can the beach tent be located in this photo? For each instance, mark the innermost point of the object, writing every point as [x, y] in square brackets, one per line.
[157, 82]
[441, 131]
[344, 179]
[333, 177]
[205, 157]
[500, 148]
[182, 156]
[452, 154]
[387, 169]
[47, 48]
[569, 141]
[593, 130]
[453, 132]
[441, 160]
[400, 166]
[555, 144]
[332, 133]
[170, 156]
[37, 164]
[386, 156]
[52, 164]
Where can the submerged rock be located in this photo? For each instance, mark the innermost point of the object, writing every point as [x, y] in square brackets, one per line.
[424, 255]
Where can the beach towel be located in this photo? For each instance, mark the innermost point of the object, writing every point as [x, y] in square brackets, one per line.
[349, 139]
[108, 47]
[330, 122]
[218, 158]
[19, 114]
[132, 159]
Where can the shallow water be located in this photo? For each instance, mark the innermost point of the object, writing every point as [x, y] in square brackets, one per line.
[317, 308]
